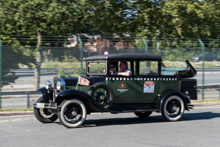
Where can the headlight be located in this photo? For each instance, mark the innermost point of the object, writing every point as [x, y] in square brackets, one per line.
[48, 85]
[61, 84]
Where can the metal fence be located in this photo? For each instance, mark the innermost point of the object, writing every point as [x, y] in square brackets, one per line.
[18, 62]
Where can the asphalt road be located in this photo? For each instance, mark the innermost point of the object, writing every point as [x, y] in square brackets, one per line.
[198, 127]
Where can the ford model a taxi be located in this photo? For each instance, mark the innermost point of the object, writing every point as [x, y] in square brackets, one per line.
[149, 87]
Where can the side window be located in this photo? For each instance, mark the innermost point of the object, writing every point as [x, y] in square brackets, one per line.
[128, 65]
[148, 68]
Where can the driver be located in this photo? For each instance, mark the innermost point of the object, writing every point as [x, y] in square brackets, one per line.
[124, 71]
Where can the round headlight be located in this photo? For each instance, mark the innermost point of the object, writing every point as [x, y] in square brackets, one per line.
[59, 85]
[48, 85]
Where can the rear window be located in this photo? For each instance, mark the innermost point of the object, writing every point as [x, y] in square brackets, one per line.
[148, 68]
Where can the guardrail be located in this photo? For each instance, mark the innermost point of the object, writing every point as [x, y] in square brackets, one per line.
[209, 87]
[28, 93]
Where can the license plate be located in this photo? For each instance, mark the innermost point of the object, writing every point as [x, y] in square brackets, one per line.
[40, 105]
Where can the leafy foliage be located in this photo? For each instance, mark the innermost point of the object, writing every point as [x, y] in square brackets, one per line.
[26, 22]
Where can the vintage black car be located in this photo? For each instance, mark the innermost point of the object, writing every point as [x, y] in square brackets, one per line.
[151, 87]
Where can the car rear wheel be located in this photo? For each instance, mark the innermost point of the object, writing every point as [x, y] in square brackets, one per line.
[102, 93]
[173, 108]
[72, 113]
[44, 115]
[142, 114]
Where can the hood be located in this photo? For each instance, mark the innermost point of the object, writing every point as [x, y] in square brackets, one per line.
[70, 81]
[93, 80]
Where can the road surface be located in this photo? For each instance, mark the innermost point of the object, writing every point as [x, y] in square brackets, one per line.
[198, 128]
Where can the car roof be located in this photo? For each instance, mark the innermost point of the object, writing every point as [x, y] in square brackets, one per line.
[126, 56]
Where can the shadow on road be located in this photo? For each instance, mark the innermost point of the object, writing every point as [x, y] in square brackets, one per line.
[121, 121]
[199, 116]
[151, 119]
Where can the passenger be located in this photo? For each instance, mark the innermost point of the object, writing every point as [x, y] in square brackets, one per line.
[112, 69]
[124, 71]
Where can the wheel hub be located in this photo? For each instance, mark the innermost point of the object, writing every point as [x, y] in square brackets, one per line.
[74, 113]
[71, 112]
[172, 108]
[100, 97]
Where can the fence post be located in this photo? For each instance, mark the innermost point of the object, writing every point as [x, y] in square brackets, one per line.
[218, 52]
[81, 54]
[146, 45]
[28, 100]
[146, 51]
[0, 74]
[203, 76]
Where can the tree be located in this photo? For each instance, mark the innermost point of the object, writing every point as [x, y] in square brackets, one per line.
[41, 17]
[189, 19]
[137, 18]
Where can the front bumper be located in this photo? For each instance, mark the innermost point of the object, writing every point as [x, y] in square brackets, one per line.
[45, 105]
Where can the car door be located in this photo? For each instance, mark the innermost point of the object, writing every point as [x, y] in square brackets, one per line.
[124, 88]
[148, 82]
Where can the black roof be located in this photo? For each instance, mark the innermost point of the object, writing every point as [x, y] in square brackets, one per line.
[126, 56]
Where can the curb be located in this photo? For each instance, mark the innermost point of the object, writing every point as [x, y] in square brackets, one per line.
[206, 104]
[16, 113]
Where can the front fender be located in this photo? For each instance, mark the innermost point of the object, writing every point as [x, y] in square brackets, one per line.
[44, 93]
[90, 103]
[168, 93]
[42, 90]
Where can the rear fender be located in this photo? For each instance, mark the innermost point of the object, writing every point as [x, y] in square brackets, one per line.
[167, 94]
[90, 103]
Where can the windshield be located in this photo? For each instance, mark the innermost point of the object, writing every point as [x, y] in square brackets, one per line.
[96, 67]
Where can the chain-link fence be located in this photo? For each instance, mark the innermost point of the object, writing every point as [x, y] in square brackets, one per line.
[18, 62]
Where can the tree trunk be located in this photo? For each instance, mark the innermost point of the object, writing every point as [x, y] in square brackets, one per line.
[38, 62]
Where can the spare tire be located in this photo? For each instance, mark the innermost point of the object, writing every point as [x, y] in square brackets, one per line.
[102, 93]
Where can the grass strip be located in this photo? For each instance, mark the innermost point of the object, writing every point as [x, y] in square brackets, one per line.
[16, 110]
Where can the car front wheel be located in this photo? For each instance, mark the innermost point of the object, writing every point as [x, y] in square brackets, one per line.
[173, 108]
[44, 115]
[72, 113]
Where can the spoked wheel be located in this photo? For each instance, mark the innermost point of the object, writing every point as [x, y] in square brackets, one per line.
[173, 108]
[143, 114]
[72, 113]
[101, 96]
[44, 115]
[102, 93]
